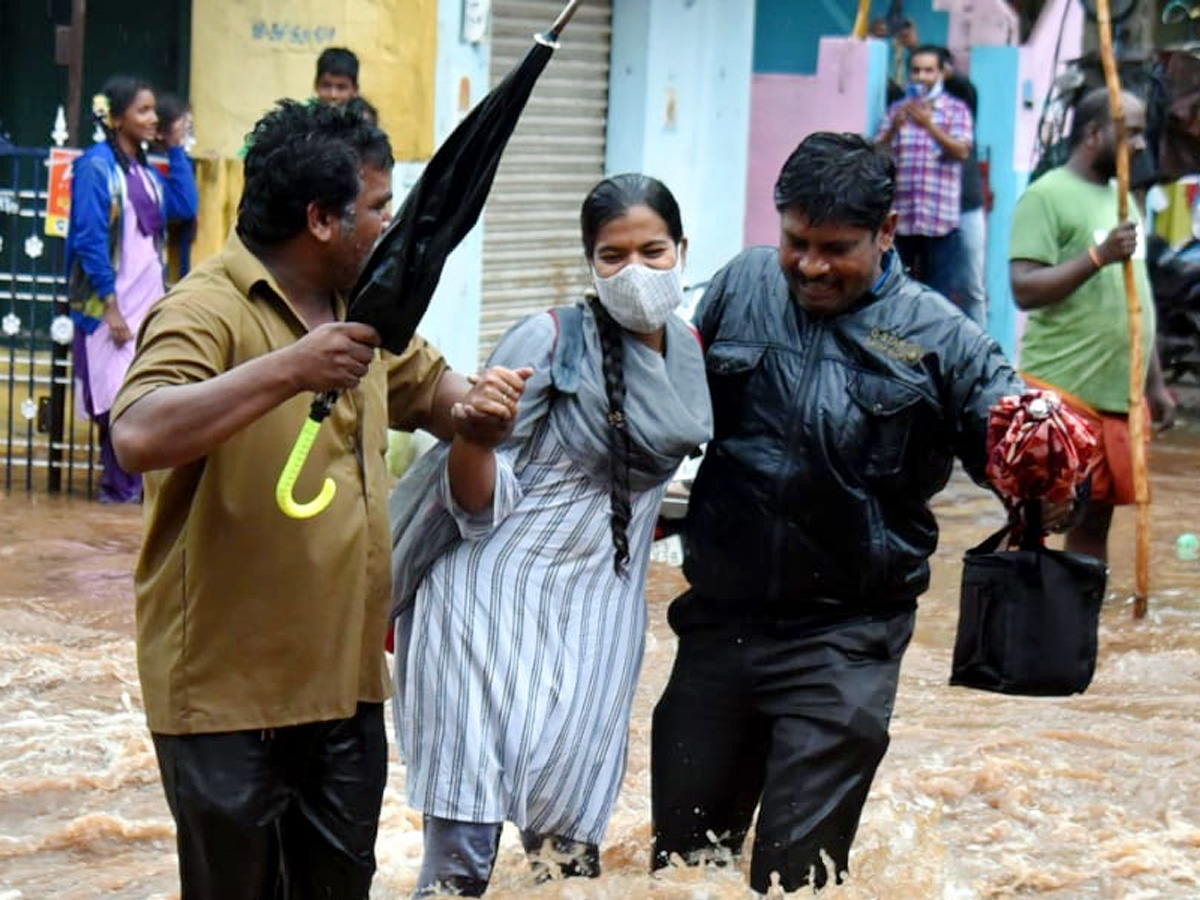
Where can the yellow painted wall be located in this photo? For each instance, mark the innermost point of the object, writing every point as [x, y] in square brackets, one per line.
[246, 54]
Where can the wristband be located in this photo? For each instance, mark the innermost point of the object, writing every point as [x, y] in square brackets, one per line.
[1094, 256]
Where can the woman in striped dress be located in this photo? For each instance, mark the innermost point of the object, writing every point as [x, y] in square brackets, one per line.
[517, 660]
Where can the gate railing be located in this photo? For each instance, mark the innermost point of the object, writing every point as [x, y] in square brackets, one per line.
[46, 445]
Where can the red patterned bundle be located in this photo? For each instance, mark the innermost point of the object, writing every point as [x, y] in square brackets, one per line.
[1038, 448]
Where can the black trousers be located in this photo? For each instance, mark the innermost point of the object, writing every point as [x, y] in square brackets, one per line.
[284, 814]
[788, 716]
[933, 261]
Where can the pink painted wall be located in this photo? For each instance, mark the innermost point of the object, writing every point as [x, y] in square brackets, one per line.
[786, 108]
[977, 22]
[1036, 57]
[841, 96]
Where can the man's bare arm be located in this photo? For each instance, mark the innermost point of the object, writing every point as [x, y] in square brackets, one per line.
[1037, 285]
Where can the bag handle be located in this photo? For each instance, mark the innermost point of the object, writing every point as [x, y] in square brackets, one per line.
[1030, 540]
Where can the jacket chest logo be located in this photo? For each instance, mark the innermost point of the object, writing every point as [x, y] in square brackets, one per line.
[895, 347]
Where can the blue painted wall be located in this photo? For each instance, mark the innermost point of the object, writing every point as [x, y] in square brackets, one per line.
[877, 84]
[679, 109]
[786, 32]
[628, 86]
[995, 73]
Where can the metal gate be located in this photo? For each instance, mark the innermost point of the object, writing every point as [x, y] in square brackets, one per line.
[532, 257]
[46, 446]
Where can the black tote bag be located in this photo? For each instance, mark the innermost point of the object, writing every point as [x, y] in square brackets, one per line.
[1028, 618]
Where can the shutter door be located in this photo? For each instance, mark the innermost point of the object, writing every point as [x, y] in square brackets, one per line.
[532, 256]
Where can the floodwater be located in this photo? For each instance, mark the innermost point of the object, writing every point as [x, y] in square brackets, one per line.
[981, 796]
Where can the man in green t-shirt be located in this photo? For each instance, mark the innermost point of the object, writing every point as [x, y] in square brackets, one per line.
[1064, 258]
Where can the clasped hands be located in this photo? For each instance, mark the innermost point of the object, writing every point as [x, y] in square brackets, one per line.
[919, 112]
[485, 416]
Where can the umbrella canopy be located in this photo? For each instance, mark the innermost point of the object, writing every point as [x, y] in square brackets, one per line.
[397, 284]
[1038, 448]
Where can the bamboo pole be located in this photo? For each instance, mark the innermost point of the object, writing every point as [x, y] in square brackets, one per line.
[1137, 362]
[859, 31]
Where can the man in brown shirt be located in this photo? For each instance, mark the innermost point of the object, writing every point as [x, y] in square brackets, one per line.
[261, 638]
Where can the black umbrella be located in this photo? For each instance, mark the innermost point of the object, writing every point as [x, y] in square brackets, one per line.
[395, 287]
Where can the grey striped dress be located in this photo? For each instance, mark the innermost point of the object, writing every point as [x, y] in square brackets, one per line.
[517, 663]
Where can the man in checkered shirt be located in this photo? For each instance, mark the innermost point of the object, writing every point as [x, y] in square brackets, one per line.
[930, 133]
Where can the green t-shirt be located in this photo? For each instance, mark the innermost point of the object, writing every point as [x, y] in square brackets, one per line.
[1080, 344]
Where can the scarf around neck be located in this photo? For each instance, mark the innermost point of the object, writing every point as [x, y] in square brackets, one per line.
[667, 406]
[144, 200]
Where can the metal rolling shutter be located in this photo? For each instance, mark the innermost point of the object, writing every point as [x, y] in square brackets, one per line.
[532, 258]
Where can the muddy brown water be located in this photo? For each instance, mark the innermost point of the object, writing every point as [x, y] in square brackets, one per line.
[980, 796]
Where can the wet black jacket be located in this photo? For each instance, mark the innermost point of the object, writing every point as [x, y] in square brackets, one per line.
[831, 436]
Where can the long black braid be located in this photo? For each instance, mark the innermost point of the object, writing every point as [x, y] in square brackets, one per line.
[122, 160]
[613, 365]
[611, 198]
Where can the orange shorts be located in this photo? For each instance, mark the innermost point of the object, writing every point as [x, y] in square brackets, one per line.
[1112, 476]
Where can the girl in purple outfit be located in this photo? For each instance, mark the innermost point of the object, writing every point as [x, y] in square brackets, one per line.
[119, 209]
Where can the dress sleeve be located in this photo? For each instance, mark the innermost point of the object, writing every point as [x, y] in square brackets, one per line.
[91, 222]
[529, 343]
[181, 200]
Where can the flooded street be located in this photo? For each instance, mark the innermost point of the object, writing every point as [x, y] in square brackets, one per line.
[980, 796]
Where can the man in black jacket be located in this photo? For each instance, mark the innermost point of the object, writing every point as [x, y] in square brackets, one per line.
[842, 392]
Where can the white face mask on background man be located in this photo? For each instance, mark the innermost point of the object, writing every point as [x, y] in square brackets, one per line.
[640, 298]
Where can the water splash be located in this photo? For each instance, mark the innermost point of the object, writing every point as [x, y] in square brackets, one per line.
[981, 797]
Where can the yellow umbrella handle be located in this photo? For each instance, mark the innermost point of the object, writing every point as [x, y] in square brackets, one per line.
[291, 472]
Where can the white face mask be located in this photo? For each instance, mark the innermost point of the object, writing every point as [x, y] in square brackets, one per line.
[641, 299]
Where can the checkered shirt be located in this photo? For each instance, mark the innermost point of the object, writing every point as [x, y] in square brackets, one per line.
[928, 182]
